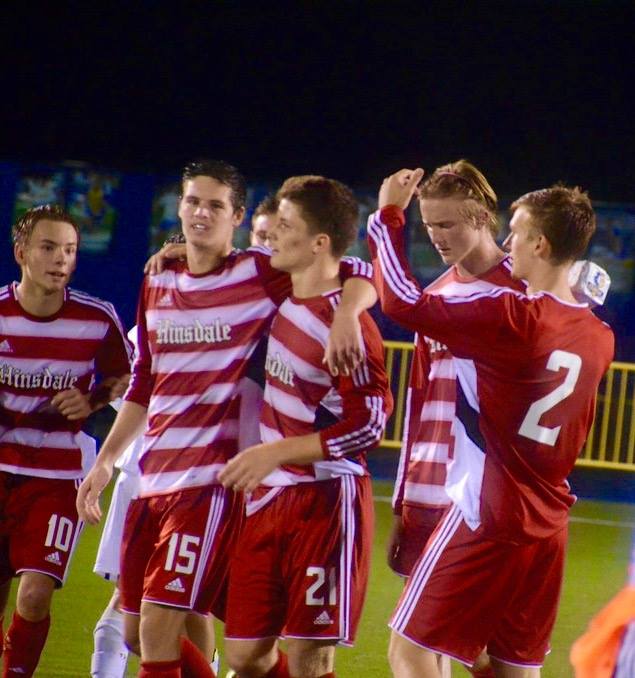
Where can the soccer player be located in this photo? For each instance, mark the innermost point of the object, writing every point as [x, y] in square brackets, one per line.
[301, 564]
[263, 220]
[199, 322]
[54, 341]
[528, 367]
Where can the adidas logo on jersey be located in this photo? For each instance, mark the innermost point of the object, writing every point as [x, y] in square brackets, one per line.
[165, 300]
[175, 585]
[54, 558]
[5, 347]
[323, 619]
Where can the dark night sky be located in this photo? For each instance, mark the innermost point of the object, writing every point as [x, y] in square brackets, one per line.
[531, 92]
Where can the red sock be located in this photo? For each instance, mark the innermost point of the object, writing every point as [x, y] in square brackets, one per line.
[281, 669]
[487, 672]
[23, 646]
[193, 662]
[171, 669]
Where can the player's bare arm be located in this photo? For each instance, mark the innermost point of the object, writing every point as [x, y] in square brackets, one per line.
[129, 424]
[246, 470]
[399, 188]
[345, 346]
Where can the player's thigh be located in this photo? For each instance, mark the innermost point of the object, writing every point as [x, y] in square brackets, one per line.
[256, 656]
[311, 658]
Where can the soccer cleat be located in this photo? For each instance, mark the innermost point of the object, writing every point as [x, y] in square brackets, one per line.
[215, 665]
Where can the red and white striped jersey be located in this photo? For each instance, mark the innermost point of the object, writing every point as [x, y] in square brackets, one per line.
[528, 369]
[39, 357]
[428, 443]
[302, 397]
[196, 335]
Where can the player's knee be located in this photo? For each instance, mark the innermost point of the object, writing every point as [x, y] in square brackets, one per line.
[248, 660]
[34, 598]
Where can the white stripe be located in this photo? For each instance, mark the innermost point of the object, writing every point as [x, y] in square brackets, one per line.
[179, 438]
[430, 451]
[394, 273]
[107, 308]
[243, 270]
[61, 328]
[403, 452]
[33, 437]
[307, 322]
[214, 517]
[177, 404]
[231, 314]
[425, 493]
[77, 368]
[21, 403]
[173, 481]
[442, 369]
[301, 368]
[348, 527]
[288, 405]
[199, 361]
[424, 568]
[437, 410]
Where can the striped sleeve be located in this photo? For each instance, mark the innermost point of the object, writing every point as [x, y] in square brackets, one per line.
[366, 403]
[468, 325]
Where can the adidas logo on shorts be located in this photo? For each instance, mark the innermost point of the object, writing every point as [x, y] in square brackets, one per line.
[323, 619]
[54, 558]
[175, 585]
[5, 347]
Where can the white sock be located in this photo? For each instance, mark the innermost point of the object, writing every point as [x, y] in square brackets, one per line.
[111, 654]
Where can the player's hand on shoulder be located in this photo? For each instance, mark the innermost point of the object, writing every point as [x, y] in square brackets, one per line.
[72, 403]
[345, 349]
[245, 471]
[156, 263]
[398, 188]
[89, 492]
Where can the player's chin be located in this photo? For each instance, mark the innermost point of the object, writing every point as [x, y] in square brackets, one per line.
[277, 261]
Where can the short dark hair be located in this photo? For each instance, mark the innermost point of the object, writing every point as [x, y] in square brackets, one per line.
[224, 173]
[24, 226]
[327, 205]
[564, 215]
[268, 205]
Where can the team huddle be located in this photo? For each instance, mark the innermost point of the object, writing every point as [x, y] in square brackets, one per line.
[258, 388]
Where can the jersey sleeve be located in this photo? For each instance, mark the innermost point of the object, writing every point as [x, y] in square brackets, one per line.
[469, 326]
[366, 402]
[115, 352]
[142, 380]
[277, 284]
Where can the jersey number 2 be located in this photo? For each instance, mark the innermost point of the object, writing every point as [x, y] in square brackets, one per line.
[530, 428]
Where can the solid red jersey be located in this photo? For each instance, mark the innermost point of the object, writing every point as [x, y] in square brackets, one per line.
[196, 335]
[528, 369]
[428, 442]
[40, 357]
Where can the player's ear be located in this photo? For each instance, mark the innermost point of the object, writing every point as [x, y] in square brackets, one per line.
[239, 215]
[18, 253]
[321, 243]
[543, 247]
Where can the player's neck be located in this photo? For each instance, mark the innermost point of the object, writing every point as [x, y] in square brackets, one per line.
[37, 301]
[480, 260]
[203, 260]
[553, 279]
[322, 276]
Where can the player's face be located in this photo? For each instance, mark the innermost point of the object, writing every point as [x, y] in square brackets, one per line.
[450, 229]
[290, 241]
[207, 216]
[49, 257]
[521, 243]
[261, 227]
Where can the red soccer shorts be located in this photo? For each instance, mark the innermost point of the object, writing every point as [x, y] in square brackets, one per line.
[177, 547]
[418, 524]
[301, 565]
[39, 526]
[467, 593]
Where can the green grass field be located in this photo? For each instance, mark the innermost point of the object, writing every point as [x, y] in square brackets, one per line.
[600, 538]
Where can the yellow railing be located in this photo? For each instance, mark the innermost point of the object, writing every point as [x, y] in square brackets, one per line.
[611, 441]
